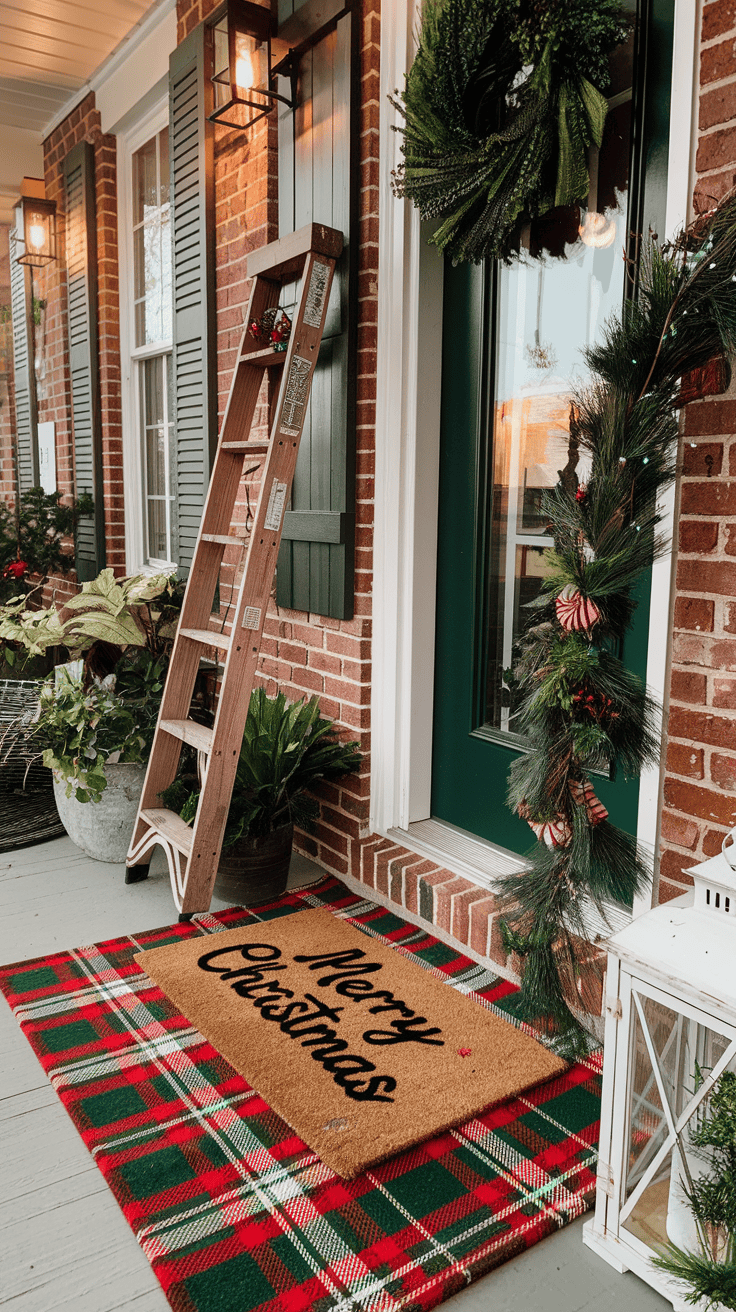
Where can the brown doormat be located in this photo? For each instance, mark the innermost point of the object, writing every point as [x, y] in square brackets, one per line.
[361, 1051]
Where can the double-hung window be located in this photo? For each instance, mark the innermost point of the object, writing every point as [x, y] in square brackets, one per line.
[146, 332]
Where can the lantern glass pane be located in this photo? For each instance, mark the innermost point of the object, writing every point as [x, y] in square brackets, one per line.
[221, 77]
[648, 1123]
[37, 233]
[684, 1052]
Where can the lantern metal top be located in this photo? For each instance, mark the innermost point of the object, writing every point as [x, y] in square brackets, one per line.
[715, 881]
[684, 951]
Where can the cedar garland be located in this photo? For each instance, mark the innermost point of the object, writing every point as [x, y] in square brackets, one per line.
[581, 709]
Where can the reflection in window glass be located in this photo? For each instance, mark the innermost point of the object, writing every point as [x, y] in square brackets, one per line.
[153, 328]
[152, 241]
[550, 306]
[156, 425]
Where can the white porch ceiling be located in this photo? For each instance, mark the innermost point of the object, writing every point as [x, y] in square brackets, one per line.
[49, 49]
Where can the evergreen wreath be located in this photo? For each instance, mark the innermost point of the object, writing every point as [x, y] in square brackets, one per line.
[501, 104]
[580, 708]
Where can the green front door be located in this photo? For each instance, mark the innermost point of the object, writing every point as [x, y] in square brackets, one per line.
[512, 344]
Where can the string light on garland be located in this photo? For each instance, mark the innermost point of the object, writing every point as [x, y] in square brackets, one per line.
[580, 709]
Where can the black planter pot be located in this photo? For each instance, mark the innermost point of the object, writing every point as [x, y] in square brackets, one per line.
[256, 869]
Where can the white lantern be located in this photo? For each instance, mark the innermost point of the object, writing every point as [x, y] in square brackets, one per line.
[670, 1035]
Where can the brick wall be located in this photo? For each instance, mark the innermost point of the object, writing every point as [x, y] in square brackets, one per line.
[304, 654]
[700, 781]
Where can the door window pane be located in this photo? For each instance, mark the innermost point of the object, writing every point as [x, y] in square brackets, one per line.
[550, 305]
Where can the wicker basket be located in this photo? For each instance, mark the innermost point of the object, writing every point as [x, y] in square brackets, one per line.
[28, 811]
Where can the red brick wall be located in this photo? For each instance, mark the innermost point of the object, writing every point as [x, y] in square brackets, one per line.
[305, 654]
[83, 124]
[700, 781]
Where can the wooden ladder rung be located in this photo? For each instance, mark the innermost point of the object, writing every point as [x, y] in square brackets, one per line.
[224, 539]
[197, 735]
[207, 637]
[247, 448]
[265, 358]
[170, 826]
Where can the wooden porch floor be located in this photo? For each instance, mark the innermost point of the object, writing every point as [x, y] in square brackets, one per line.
[63, 1241]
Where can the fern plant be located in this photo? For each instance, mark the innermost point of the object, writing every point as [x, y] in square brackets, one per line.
[286, 748]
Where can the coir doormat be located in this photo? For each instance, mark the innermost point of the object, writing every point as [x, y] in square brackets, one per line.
[357, 1048]
[234, 1212]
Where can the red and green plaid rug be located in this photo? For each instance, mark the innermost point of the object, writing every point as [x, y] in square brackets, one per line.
[232, 1210]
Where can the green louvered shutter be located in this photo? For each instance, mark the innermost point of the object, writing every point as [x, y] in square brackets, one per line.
[81, 273]
[317, 184]
[26, 443]
[193, 278]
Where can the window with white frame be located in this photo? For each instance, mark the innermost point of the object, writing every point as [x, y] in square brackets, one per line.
[146, 331]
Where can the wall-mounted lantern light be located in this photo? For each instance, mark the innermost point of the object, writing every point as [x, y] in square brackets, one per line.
[38, 224]
[242, 57]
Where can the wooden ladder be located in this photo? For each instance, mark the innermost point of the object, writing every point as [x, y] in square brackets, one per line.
[193, 853]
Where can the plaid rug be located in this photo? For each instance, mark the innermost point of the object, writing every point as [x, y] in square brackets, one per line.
[232, 1210]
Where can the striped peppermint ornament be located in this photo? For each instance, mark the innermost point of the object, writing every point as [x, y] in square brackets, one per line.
[554, 833]
[574, 611]
[582, 794]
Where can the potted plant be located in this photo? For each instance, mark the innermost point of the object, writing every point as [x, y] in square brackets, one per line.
[286, 748]
[710, 1272]
[97, 717]
[96, 739]
[34, 543]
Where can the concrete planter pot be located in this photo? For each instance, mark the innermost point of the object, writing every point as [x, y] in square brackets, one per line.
[104, 829]
[255, 870]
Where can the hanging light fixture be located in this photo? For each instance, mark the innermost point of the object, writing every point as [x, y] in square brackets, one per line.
[242, 56]
[37, 226]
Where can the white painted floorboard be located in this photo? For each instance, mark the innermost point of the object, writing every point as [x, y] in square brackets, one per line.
[64, 1243]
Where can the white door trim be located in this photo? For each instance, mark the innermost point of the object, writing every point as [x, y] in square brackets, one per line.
[407, 457]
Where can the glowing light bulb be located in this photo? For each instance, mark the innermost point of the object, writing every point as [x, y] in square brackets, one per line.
[596, 230]
[245, 72]
[36, 235]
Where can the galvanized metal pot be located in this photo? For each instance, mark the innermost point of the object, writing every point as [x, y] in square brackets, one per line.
[104, 829]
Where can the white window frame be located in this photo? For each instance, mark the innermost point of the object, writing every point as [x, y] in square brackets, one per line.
[148, 125]
[407, 486]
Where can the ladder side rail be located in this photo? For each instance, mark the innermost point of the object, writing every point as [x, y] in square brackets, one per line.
[227, 470]
[250, 613]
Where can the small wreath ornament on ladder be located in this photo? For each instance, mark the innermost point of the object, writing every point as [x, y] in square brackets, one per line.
[502, 104]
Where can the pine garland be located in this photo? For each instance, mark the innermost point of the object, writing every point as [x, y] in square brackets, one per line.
[501, 104]
[581, 709]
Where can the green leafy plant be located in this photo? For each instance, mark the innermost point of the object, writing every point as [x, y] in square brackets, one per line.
[33, 535]
[710, 1272]
[140, 611]
[122, 632]
[82, 729]
[286, 748]
[106, 618]
[579, 707]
